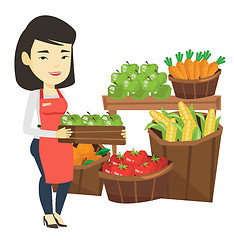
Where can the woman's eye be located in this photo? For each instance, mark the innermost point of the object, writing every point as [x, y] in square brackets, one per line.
[65, 57]
[43, 58]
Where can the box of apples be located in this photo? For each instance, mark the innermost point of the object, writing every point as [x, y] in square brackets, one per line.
[139, 82]
[135, 177]
[94, 129]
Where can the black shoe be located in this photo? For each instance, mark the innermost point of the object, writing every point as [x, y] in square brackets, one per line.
[49, 225]
[59, 224]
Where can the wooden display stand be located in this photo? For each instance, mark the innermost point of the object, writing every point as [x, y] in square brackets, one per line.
[149, 103]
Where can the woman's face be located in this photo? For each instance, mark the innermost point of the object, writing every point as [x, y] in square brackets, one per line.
[50, 63]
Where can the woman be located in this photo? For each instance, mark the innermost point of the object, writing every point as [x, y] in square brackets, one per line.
[43, 65]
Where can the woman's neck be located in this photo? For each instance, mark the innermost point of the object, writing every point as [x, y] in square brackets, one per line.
[49, 89]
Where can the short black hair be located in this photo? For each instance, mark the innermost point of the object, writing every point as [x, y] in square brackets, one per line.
[43, 28]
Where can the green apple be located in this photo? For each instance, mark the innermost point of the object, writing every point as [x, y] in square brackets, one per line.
[149, 68]
[64, 119]
[96, 116]
[162, 93]
[140, 94]
[85, 118]
[118, 77]
[131, 85]
[129, 68]
[161, 77]
[117, 92]
[150, 85]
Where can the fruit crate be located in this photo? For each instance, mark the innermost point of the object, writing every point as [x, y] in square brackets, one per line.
[134, 189]
[190, 89]
[95, 135]
[195, 164]
[85, 177]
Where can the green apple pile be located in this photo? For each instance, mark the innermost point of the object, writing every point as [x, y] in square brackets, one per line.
[139, 83]
[91, 120]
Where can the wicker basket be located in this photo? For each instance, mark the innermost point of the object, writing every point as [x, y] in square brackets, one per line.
[190, 89]
[195, 164]
[133, 189]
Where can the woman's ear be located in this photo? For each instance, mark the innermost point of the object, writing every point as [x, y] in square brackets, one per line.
[25, 58]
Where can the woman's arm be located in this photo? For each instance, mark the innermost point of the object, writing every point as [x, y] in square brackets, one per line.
[28, 117]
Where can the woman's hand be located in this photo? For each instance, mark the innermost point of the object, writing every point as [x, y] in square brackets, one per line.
[124, 134]
[63, 133]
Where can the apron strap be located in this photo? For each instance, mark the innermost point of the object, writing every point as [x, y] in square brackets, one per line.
[41, 93]
[59, 93]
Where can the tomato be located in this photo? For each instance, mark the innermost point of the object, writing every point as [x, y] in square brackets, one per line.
[106, 167]
[135, 157]
[164, 161]
[116, 159]
[123, 170]
[157, 165]
[145, 168]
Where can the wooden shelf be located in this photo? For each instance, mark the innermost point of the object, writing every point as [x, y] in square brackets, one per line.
[149, 103]
[170, 103]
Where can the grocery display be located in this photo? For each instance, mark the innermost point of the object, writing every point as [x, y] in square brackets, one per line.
[183, 126]
[194, 79]
[139, 85]
[91, 120]
[189, 69]
[134, 163]
[84, 154]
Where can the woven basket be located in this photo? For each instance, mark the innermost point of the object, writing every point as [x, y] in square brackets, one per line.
[190, 89]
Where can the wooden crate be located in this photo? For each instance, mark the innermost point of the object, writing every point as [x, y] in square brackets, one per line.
[95, 135]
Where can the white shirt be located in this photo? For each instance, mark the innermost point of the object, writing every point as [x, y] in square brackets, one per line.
[32, 105]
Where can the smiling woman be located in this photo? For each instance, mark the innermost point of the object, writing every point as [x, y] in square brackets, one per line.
[50, 32]
[43, 64]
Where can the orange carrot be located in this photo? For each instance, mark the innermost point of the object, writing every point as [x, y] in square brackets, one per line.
[173, 70]
[214, 66]
[189, 64]
[196, 65]
[180, 65]
[204, 65]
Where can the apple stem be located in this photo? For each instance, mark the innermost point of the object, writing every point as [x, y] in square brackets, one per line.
[115, 83]
[127, 62]
[129, 78]
[136, 71]
[91, 116]
[70, 116]
[110, 116]
[117, 71]
[148, 78]
[155, 71]
[146, 62]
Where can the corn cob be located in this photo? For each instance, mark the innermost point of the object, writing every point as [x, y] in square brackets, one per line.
[171, 131]
[210, 122]
[187, 133]
[185, 113]
[159, 117]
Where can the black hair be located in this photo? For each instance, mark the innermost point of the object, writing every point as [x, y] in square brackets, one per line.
[42, 28]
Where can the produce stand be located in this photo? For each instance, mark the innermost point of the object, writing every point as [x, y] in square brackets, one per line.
[149, 103]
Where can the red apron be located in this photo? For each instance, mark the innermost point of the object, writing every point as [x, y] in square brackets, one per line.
[56, 158]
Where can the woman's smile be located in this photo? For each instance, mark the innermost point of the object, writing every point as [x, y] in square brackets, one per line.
[55, 73]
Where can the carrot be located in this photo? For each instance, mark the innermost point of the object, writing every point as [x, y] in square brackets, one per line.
[214, 66]
[180, 65]
[189, 64]
[196, 65]
[204, 65]
[173, 70]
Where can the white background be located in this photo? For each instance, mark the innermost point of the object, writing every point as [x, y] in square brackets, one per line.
[108, 34]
